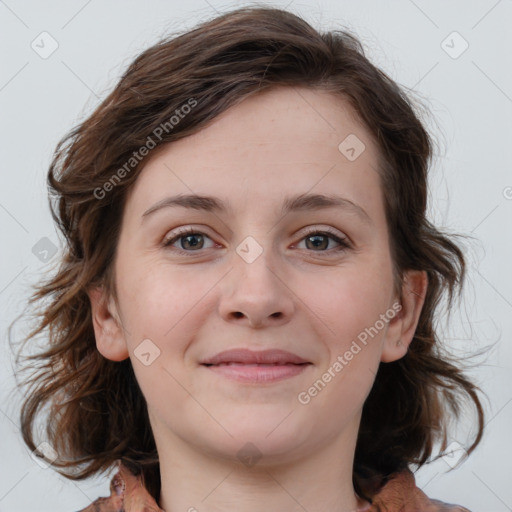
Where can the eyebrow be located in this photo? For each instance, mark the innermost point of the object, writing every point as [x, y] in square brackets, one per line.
[301, 202]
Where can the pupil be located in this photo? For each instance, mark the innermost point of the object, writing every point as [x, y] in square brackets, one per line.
[319, 241]
[187, 241]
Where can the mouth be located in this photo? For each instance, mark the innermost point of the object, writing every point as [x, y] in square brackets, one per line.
[257, 373]
[256, 367]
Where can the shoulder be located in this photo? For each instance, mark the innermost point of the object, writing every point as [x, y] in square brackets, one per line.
[400, 494]
[127, 494]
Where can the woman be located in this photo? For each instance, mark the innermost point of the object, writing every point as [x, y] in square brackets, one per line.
[243, 318]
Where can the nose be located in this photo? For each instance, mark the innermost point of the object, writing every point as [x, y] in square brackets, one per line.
[255, 295]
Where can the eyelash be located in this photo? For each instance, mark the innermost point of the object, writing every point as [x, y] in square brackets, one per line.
[343, 242]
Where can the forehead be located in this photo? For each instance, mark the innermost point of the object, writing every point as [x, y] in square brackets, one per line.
[273, 144]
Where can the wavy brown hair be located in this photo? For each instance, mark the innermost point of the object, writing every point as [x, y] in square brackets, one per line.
[97, 413]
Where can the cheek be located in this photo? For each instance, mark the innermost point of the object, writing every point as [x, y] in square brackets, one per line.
[349, 302]
[157, 298]
[163, 305]
[349, 310]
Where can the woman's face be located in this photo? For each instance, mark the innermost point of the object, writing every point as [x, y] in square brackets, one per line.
[289, 252]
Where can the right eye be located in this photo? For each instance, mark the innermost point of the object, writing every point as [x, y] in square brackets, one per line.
[190, 240]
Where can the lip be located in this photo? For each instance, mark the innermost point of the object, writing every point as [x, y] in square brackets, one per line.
[258, 374]
[246, 356]
[260, 367]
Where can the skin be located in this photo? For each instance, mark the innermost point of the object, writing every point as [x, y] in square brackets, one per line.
[310, 300]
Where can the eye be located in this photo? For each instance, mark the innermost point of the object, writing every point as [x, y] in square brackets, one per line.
[316, 239]
[189, 240]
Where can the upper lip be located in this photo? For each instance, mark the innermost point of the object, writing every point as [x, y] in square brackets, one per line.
[246, 356]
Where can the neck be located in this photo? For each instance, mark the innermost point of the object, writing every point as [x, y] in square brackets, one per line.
[197, 482]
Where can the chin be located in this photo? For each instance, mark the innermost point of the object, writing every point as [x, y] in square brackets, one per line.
[269, 439]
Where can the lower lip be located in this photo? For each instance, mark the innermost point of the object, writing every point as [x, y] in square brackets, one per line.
[258, 373]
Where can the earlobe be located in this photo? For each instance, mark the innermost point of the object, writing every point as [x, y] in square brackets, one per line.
[403, 326]
[108, 330]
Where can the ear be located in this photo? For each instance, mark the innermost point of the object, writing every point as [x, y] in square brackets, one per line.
[108, 329]
[402, 326]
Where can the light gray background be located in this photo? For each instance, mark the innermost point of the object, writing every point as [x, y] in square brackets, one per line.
[470, 97]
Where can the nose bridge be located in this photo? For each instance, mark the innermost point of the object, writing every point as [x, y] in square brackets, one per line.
[255, 265]
[255, 293]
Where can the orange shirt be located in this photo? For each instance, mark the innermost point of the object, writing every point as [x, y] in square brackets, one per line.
[399, 494]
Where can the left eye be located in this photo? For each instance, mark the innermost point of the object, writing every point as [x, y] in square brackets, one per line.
[320, 240]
